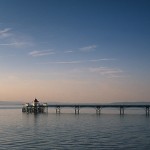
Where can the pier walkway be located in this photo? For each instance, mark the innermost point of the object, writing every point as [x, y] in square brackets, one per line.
[98, 107]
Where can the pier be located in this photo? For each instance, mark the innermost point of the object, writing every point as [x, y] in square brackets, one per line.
[36, 107]
[99, 108]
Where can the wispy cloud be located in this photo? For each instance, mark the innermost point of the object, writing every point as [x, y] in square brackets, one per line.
[41, 53]
[68, 62]
[88, 48]
[109, 72]
[9, 38]
[62, 62]
[102, 59]
[5, 33]
[68, 51]
[75, 61]
[17, 44]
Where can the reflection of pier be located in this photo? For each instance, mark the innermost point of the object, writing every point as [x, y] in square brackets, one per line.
[98, 108]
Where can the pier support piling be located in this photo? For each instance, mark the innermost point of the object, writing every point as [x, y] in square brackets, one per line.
[58, 110]
[98, 110]
[147, 110]
[77, 109]
[121, 110]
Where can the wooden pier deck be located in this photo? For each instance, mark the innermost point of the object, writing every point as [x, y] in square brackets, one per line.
[99, 107]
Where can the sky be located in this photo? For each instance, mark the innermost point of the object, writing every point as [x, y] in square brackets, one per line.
[75, 51]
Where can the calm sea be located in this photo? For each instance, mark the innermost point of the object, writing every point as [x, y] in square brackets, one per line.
[67, 131]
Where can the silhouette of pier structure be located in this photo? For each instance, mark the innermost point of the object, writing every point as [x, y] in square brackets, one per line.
[99, 108]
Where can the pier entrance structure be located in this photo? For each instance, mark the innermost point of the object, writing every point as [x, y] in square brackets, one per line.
[35, 107]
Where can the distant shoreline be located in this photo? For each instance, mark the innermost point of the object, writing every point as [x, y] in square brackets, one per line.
[3, 103]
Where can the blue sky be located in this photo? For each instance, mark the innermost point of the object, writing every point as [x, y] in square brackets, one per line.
[75, 50]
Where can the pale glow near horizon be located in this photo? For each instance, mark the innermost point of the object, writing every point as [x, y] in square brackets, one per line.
[72, 91]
